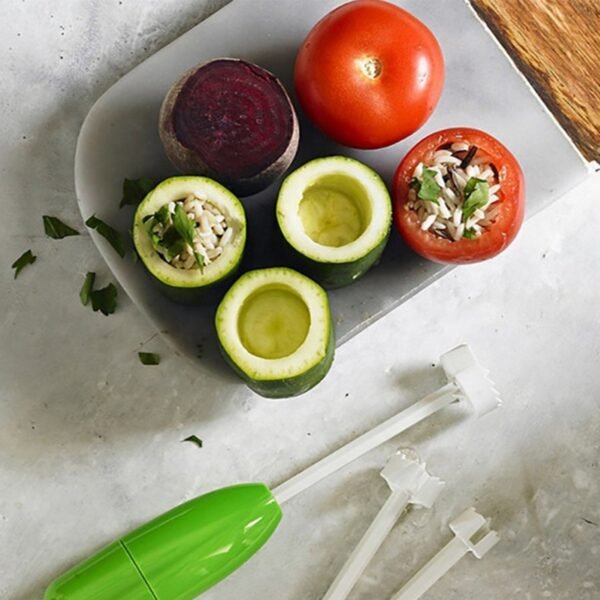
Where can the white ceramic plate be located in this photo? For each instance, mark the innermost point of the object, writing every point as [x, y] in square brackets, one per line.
[119, 139]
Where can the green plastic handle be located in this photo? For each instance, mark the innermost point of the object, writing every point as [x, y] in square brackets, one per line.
[180, 554]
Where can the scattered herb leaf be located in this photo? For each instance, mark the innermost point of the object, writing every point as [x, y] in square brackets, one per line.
[476, 196]
[414, 184]
[113, 237]
[429, 189]
[27, 258]
[56, 229]
[186, 229]
[194, 439]
[149, 358]
[104, 299]
[135, 190]
[470, 234]
[86, 288]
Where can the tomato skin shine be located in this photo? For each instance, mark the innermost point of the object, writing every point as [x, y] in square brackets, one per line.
[369, 74]
[512, 200]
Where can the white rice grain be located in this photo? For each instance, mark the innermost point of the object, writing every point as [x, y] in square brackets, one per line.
[428, 222]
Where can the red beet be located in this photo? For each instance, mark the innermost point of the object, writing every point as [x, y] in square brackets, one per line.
[230, 120]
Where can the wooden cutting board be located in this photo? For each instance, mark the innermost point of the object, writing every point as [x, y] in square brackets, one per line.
[556, 45]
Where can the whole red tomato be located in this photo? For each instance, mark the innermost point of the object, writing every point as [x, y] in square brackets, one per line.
[369, 74]
[511, 203]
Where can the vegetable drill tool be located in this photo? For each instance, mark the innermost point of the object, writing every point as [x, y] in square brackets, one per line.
[409, 483]
[472, 533]
[185, 551]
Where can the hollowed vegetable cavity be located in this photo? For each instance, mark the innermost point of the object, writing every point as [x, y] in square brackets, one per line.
[275, 330]
[273, 322]
[335, 215]
[335, 210]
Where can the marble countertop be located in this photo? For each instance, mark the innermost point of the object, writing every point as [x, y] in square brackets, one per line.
[90, 439]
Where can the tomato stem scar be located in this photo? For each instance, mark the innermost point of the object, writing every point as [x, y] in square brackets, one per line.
[371, 67]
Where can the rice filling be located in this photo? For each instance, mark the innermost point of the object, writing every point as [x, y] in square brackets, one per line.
[189, 233]
[456, 195]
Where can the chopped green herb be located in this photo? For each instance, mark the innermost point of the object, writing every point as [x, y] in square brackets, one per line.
[470, 186]
[470, 234]
[104, 299]
[113, 237]
[86, 288]
[149, 358]
[194, 439]
[174, 249]
[414, 184]
[56, 229]
[477, 192]
[27, 258]
[186, 229]
[135, 190]
[163, 215]
[429, 189]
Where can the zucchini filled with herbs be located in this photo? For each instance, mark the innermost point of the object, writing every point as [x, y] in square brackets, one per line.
[335, 214]
[190, 233]
[275, 330]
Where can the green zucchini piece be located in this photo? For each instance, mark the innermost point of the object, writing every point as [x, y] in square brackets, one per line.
[199, 284]
[335, 215]
[275, 330]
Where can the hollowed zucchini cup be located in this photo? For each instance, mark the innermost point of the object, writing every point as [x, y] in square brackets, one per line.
[197, 285]
[335, 216]
[275, 330]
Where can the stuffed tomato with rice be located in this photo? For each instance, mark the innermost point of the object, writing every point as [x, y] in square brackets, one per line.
[459, 196]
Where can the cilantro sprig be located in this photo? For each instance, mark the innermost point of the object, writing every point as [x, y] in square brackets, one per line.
[57, 230]
[86, 288]
[112, 236]
[477, 193]
[27, 258]
[187, 230]
[149, 358]
[427, 188]
[194, 439]
[135, 190]
[104, 299]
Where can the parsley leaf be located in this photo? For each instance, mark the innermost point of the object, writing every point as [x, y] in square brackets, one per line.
[477, 192]
[163, 215]
[113, 237]
[135, 190]
[186, 229]
[149, 358]
[86, 288]
[470, 234]
[470, 186]
[27, 258]
[56, 229]
[429, 189]
[104, 299]
[194, 439]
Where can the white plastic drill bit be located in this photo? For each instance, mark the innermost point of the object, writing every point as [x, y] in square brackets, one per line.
[410, 484]
[468, 380]
[471, 534]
